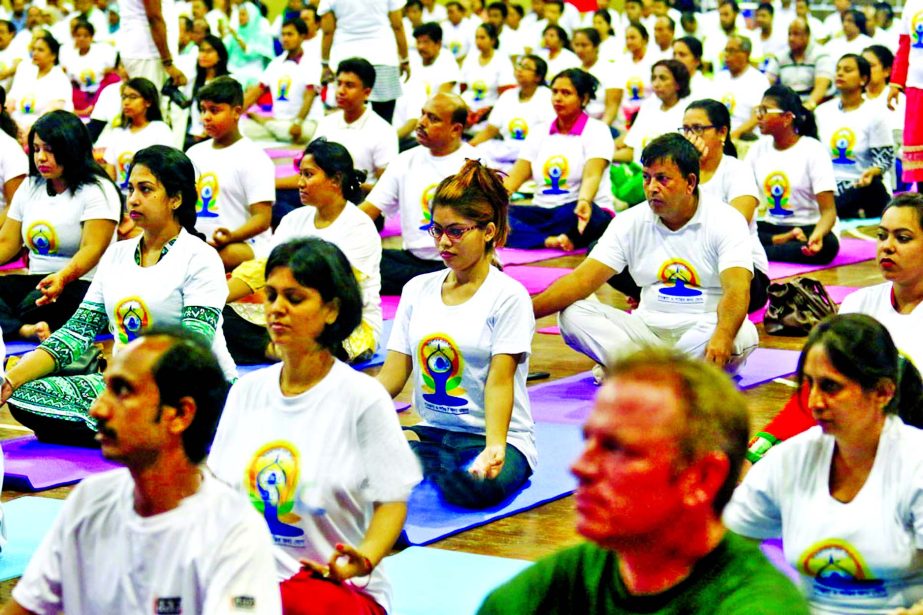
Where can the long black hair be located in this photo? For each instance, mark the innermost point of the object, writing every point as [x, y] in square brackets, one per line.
[69, 140]
[7, 123]
[221, 68]
[175, 171]
[336, 163]
[719, 117]
[804, 124]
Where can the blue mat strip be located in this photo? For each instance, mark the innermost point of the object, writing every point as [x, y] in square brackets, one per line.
[27, 520]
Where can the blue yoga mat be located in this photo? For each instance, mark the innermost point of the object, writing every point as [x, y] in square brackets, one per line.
[27, 521]
[766, 364]
[429, 518]
[428, 581]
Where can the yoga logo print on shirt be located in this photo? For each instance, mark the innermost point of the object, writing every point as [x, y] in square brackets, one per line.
[283, 86]
[121, 165]
[426, 201]
[778, 191]
[635, 87]
[555, 175]
[41, 238]
[518, 129]
[27, 105]
[455, 47]
[730, 102]
[88, 78]
[681, 280]
[480, 90]
[131, 318]
[271, 480]
[208, 189]
[839, 570]
[842, 143]
[441, 365]
[916, 30]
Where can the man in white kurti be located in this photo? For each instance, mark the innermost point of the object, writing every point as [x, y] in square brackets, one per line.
[160, 535]
[690, 256]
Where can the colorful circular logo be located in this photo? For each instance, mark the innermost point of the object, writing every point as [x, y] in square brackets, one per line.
[271, 480]
[479, 88]
[41, 238]
[455, 47]
[441, 365]
[777, 192]
[426, 204]
[916, 30]
[131, 318]
[680, 276]
[121, 164]
[208, 188]
[283, 86]
[635, 88]
[555, 173]
[88, 78]
[518, 129]
[842, 143]
[730, 102]
[27, 105]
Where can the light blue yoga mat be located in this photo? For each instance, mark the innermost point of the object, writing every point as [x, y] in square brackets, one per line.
[428, 581]
[27, 521]
[429, 518]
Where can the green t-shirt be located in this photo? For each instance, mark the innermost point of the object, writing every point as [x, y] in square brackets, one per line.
[735, 578]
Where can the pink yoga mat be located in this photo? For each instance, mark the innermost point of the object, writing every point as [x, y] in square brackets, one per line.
[515, 256]
[392, 227]
[837, 293]
[389, 306]
[285, 170]
[851, 251]
[536, 279]
[283, 152]
[552, 330]
[17, 264]
[31, 465]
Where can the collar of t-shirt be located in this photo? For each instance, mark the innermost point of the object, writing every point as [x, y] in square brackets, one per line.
[163, 251]
[694, 220]
[358, 124]
[296, 58]
[575, 130]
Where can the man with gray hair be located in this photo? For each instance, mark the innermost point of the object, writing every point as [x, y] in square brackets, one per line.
[740, 87]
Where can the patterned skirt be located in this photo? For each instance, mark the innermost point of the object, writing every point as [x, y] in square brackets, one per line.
[66, 398]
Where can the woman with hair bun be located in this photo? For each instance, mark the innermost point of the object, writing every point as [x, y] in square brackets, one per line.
[167, 275]
[795, 177]
[464, 336]
[329, 188]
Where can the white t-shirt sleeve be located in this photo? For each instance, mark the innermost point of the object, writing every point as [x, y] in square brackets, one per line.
[741, 183]
[532, 144]
[754, 508]
[610, 250]
[820, 169]
[400, 331]
[513, 325]
[20, 200]
[598, 141]
[260, 184]
[734, 244]
[386, 193]
[205, 284]
[101, 201]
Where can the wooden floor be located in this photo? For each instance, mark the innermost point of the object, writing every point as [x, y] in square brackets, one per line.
[543, 530]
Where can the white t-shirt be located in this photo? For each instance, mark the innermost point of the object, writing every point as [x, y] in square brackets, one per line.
[850, 135]
[679, 272]
[137, 298]
[287, 80]
[438, 14]
[121, 145]
[370, 140]
[210, 555]
[452, 346]
[442, 70]
[740, 94]
[9, 56]
[732, 179]
[634, 79]
[458, 40]
[362, 26]
[516, 119]
[355, 234]
[13, 162]
[134, 35]
[33, 96]
[230, 180]
[407, 187]
[905, 329]
[653, 121]
[839, 47]
[861, 556]
[88, 70]
[484, 81]
[108, 103]
[791, 179]
[564, 60]
[52, 226]
[315, 463]
[558, 161]
[607, 75]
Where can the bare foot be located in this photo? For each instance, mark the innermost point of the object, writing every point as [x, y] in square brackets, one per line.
[39, 331]
[796, 234]
[561, 242]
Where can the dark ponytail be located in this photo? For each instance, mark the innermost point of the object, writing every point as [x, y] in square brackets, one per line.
[804, 124]
[175, 171]
[719, 117]
[7, 123]
[334, 160]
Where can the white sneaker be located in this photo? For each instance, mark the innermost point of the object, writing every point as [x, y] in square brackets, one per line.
[599, 374]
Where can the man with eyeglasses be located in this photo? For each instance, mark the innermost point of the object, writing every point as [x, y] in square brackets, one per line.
[407, 186]
[690, 255]
[740, 87]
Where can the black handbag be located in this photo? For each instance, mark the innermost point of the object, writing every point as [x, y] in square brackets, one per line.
[796, 306]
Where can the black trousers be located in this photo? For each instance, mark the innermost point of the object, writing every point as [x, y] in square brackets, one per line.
[17, 303]
[400, 266]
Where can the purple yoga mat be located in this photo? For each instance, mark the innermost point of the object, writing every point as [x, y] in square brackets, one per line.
[515, 256]
[767, 364]
[536, 279]
[392, 227]
[837, 293]
[389, 306]
[851, 251]
[772, 549]
[31, 465]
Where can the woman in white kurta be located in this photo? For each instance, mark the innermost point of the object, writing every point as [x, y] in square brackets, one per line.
[464, 336]
[658, 115]
[316, 445]
[485, 74]
[859, 140]
[569, 162]
[795, 175]
[165, 276]
[140, 125]
[65, 214]
[40, 86]
[605, 104]
[846, 496]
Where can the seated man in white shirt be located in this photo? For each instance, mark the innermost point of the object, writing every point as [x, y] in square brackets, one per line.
[690, 256]
[160, 535]
[741, 86]
[293, 82]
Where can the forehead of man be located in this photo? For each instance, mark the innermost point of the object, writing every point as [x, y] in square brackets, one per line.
[639, 408]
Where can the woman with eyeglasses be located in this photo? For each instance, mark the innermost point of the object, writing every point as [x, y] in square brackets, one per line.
[518, 112]
[464, 336]
[795, 176]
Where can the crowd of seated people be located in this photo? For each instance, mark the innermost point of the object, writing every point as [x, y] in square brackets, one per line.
[208, 187]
